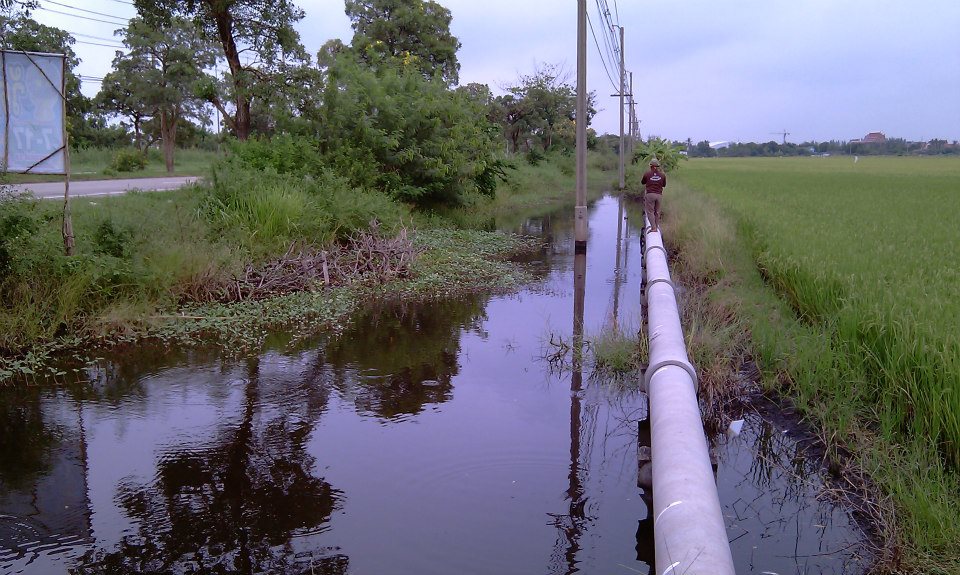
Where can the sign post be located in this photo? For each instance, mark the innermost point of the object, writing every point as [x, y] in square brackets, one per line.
[33, 133]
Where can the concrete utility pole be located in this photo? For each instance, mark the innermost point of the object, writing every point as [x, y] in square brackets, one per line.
[632, 119]
[622, 90]
[580, 211]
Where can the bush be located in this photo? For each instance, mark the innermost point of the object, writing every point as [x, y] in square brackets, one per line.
[128, 161]
[391, 129]
[113, 240]
[17, 223]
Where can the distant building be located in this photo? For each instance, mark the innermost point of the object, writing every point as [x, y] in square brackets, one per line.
[874, 138]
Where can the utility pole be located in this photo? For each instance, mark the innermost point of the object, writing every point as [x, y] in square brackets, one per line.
[622, 90]
[580, 211]
[632, 119]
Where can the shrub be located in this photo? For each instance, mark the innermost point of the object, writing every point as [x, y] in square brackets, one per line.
[128, 161]
[18, 221]
[113, 240]
[389, 128]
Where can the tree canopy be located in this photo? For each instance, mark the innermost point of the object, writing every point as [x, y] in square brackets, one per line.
[159, 77]
[414, 32]
[262, 30]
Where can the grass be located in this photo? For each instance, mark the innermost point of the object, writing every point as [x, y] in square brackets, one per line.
[861, 327]
[93, 164]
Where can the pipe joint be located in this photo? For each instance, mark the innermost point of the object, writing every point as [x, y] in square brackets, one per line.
[683, 364]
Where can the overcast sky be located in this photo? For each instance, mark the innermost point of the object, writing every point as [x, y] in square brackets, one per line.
[713, 70]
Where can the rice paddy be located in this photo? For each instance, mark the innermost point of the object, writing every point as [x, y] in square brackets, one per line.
[866, 255]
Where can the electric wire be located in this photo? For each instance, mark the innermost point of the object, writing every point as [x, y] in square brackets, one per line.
[81, 17]
[602, 61]
[81, 9]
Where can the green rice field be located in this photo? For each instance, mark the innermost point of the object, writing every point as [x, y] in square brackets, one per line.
[867, 254]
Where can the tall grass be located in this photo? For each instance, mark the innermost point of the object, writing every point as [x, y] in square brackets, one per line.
[865, 256]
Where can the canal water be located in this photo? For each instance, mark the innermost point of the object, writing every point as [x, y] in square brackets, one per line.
[460, 436]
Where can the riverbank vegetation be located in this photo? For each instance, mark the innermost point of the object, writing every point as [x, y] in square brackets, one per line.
[861, 325]
[366, 152]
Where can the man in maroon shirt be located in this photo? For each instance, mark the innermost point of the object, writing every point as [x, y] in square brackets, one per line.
[654, 180]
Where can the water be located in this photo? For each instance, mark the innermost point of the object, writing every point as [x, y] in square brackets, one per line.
[427, 439]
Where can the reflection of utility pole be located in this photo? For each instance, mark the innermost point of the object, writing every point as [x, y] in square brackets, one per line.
[616, 268]
[575, 492]
[580, 211]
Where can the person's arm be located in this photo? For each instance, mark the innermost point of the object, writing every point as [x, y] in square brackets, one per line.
[643, 180]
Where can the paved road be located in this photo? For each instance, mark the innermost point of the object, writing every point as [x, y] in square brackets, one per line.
[105, 187]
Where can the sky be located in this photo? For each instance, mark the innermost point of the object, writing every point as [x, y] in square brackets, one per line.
[734, 70]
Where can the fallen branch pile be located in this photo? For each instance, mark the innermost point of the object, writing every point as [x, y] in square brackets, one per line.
[366, 257]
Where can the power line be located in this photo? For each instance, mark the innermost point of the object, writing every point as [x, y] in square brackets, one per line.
[602, 61]
[81, 17]
[119, 46]
[94, 37]
[81, 9]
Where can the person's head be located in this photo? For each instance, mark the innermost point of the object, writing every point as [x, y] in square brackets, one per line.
[654, 164]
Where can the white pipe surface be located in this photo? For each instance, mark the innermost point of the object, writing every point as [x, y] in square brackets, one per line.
[689, 532]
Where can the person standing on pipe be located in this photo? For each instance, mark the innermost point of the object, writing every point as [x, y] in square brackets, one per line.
[655, 180]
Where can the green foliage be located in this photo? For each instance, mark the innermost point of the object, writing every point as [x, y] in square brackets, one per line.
[128, 161]
[265, 200]
[394, 130]
[409, 33]
[283, 154]
[18, 221]
[540, 109]
[112, 239]
[657, 148]
[263, 31]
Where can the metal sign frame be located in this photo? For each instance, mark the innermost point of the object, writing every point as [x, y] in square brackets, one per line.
[30, 122]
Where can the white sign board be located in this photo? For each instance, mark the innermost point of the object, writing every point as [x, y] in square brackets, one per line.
[32, 135]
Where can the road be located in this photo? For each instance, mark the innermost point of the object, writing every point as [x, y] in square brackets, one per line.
[51, 190]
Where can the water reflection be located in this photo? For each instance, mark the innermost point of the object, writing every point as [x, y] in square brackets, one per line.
[234, 505]
[572, 524]
[779, 518]
[398, 359]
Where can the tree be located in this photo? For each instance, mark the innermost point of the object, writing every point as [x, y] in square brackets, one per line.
[16, 8]
[24, 33]
[261, 30]
[392, 129]
[415, 32]
[538, 106]
[667, 152]
[117, 96]
[159, 77]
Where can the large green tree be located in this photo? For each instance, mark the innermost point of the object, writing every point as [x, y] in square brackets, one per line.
[160, 76]
[258, 41]
[390, 128]
[413, 32]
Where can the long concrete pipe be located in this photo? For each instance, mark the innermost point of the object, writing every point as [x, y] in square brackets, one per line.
[689, 532]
